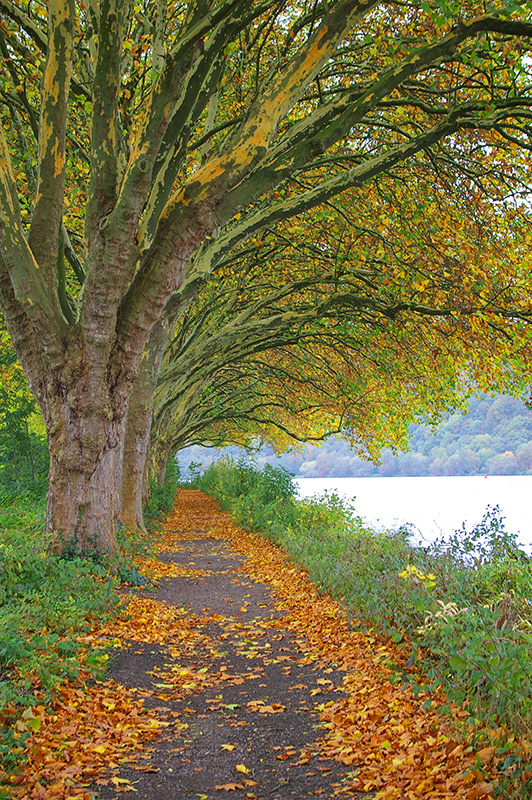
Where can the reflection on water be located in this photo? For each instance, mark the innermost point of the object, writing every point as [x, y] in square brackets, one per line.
[434, 506]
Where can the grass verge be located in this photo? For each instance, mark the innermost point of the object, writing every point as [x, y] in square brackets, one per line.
[48, 606]
[462, 608]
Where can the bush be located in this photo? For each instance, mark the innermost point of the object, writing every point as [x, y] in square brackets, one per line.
[260, 500]
[45, 602]
[161, 499]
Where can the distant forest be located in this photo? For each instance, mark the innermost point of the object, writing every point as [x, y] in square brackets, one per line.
[493, 438]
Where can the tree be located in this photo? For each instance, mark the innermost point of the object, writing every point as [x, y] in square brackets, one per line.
[209, 122]
[311, 334]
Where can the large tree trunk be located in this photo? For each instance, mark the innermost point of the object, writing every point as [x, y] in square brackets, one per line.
[81, 504]
[135, 448]
[162, 463]
[138, 429]
[84, 444]
[159, 451]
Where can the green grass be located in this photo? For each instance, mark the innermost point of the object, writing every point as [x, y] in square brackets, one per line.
[48, 602]
[461, 608]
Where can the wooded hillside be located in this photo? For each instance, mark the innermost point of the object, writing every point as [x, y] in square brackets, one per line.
[493, 438]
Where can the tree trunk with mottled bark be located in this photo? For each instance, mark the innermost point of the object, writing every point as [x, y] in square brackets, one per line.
[138, 429]
[85, 430]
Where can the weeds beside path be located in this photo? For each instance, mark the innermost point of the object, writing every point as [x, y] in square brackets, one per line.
[235, 677]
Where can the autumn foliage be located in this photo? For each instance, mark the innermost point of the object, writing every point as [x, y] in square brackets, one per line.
[350, 171]
[389, 734]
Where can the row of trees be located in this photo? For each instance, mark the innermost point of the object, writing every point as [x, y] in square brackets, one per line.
[222, 220]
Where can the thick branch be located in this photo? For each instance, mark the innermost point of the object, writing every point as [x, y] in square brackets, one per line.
[47, 214]
[26, 285]
[330, 123]
[104, 133]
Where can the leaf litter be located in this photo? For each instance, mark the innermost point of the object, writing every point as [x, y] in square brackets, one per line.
[393, 743]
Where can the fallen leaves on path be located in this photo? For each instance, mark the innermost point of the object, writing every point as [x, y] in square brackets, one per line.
[399, 749]
[395, 746]
[155, 569]
[92, 727]
[145, 620]
[86, 730]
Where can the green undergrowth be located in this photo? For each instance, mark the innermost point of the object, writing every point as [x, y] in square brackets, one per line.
[162, 498]
[462, 608]
[49, 603]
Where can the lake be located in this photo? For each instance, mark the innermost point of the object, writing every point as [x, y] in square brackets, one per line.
[435, 506]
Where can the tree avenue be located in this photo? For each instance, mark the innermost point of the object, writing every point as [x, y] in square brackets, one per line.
[349, 326]
[145, 146]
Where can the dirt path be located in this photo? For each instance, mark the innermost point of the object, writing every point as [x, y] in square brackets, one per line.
[253, 731]
[264, 689]
[237, 678]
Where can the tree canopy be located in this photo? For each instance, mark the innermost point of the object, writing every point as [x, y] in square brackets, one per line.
[356, 321]
[492, 438]
[143, 144]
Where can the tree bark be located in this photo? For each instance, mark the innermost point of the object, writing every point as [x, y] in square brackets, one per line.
[81, 505]
[163, 454]
[135, 446]
[138, 430]
[84, 446]
[159, 450]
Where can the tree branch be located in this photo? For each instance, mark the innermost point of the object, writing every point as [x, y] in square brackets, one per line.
[48, 210]
[26, 280]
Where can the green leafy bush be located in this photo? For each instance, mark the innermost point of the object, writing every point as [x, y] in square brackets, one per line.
[260, 500]
[46, 602]
[23, 451]
[161, 499]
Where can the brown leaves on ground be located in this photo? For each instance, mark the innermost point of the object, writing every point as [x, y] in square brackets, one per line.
[155, 569]
[396, 747]
[399, 749]
[88, 730]
[145, 620]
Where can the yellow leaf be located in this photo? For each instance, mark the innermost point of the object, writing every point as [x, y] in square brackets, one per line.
[486, 754]
[228, 747]
[30, 720]
[243, 769]
[274, 708]
[100, 748]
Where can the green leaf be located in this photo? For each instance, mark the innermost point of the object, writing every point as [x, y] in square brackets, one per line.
[458, 663]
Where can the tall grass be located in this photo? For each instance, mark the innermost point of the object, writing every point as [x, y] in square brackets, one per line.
[463, 608]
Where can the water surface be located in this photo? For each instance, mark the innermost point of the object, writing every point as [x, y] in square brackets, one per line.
[435, 506]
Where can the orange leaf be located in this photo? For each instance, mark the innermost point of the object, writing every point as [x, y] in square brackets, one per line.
[229, 787]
